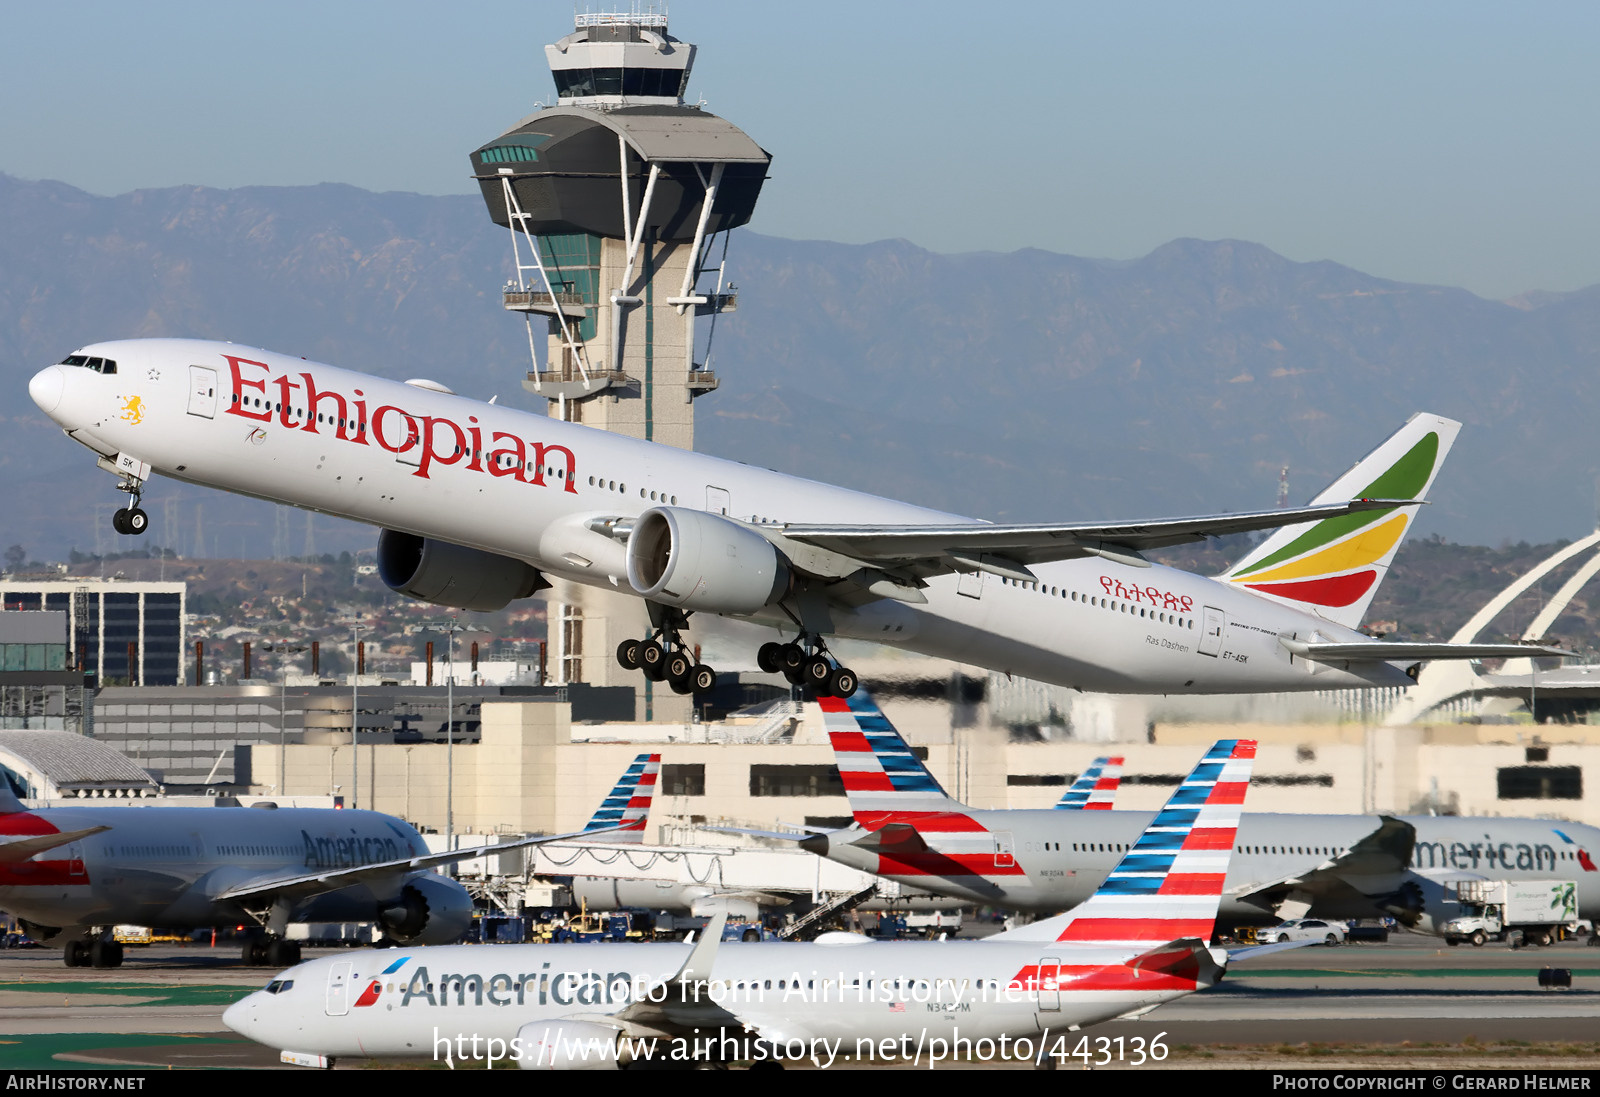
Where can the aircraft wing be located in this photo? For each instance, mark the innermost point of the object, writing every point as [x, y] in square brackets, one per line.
[312, 883]
[966, 545]
[1384, 852]
[1382, 651]
[12, 853]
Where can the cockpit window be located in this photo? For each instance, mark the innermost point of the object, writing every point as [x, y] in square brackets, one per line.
[99, 365]
[278, 986]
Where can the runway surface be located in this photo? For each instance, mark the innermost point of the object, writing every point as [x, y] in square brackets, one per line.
[1368, 1004]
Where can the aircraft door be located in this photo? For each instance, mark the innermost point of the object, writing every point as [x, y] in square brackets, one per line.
[1004, 849]
[718, 501]
[338, 1000]
[75, 869]
[1212, 622]
[970, 584]
[203, 392]
[1050, 984]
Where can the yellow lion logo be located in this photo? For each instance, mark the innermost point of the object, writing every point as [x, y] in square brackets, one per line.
[133, 410]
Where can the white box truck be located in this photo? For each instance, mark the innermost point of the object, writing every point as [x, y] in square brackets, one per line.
[1518, 911]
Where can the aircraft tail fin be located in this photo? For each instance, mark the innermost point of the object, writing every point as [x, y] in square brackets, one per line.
[881, 774]
[1095, 789]
[1169, 885]
[9, 803]
[629, 803]
[1333, 567]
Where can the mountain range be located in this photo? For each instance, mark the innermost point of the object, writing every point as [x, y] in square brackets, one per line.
[1027, 386]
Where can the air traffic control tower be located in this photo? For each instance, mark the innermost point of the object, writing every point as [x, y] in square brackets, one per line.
[618, 201]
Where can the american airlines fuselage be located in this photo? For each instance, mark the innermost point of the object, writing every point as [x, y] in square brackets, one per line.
[166, 867]
[1045, 861]
[538, 490]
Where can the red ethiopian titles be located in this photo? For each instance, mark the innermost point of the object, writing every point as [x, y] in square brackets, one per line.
[394, 429]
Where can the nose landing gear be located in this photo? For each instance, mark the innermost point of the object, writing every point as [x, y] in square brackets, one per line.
[131, 475]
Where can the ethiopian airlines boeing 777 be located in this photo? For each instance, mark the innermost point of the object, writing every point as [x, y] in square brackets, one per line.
[479, 504]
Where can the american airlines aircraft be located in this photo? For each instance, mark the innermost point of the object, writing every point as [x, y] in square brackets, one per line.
[1140, 940]
[1285, 866]
[75, 872]
[479, 504]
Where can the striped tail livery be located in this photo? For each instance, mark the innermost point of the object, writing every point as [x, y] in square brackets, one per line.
[1095, 789]
[1332, 567]
[629, 803]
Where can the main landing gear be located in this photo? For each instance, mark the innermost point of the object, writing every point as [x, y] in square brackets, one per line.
[271, 952]
[815, 670]
[99, 950]
[664, 657]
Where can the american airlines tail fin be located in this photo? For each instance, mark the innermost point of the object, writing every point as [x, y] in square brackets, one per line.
[1333, 567]
[1169, 885]
[629, 803]
[881, 774]
[1095, 789]
[9, 804]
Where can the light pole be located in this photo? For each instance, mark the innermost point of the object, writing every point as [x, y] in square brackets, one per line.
[450, 734]
[355, 705]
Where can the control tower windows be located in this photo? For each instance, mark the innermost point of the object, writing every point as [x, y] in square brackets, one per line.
[576, 83]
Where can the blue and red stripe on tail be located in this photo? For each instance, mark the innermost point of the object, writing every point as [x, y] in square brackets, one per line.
[1095, 788]
[629, 803]
[1169, 885]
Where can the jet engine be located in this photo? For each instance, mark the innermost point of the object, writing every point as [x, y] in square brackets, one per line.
[700, 561]
[453, 575]
[566, 1045]
[431, 911]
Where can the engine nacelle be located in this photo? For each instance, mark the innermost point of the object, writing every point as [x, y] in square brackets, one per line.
[566, 1045]
[700, 561]
[453, 575]
[431, 911]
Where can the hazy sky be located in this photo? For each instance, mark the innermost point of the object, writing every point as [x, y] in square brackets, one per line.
[1435, 142]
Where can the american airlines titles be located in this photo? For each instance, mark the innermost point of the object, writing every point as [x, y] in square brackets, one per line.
[346, 852]
[431, 440]
[596, 988]
[1485, 854]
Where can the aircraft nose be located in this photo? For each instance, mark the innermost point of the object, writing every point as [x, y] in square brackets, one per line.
[240, 1015]
[46, 388]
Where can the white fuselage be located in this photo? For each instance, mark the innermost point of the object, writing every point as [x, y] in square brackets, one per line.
[842, 998]
[525, 486]
[1045, 861]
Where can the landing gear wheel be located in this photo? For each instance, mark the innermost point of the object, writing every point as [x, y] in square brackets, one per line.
[680, 685]
[817, 672]
[119, 520]
[652, 660]
[76, 954]
[843, 682]
[767, 658]
[792, 661]
[678, 666]
[103, 953]
[255, 952]
[281, 953]
[702, 679]
[137, 521]
[628, 654]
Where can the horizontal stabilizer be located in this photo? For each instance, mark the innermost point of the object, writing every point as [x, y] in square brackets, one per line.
[1385, 652]
[12, 853]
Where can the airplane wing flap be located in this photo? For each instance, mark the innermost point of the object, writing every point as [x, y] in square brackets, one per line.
[1038, 544]
[1386, 851]
[311, 883]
